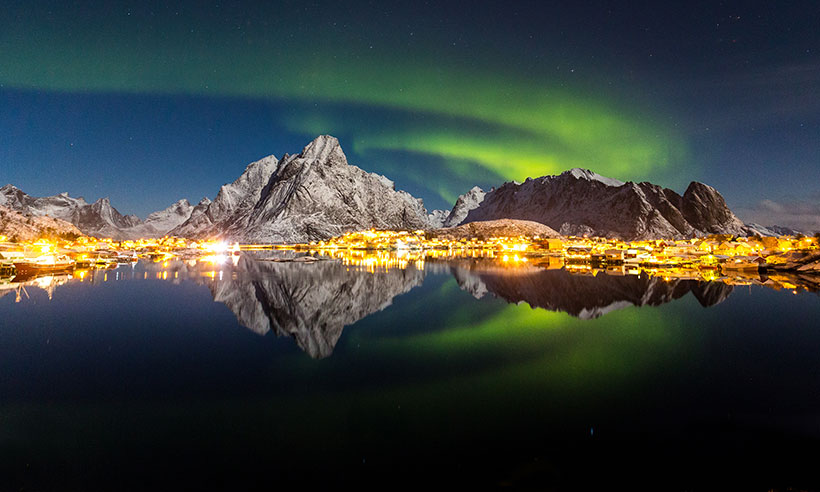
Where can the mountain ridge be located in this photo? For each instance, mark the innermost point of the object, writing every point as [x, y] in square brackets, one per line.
[98, 219]
[580, 202]
[316, 194]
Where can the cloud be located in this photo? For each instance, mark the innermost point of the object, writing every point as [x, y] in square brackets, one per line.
[800, 215]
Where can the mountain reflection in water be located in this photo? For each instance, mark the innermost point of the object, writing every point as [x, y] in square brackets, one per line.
[312, 302]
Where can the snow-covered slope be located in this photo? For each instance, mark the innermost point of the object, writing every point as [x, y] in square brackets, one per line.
[436, 218]
[773, 230]
[588, 175]
[579, 202]
[496, 228]
[464, 204]
[233, 202]
[164, 220]
[60, 206]
[15, 226]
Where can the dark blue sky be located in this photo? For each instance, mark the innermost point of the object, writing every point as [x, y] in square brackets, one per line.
[153, 101]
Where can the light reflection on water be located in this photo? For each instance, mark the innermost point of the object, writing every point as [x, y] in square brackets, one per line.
[457, 366]
[313, 301]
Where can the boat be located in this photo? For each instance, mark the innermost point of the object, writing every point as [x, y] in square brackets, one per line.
[45, 263]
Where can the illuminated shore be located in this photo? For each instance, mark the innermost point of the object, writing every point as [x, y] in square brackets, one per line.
[708, 258]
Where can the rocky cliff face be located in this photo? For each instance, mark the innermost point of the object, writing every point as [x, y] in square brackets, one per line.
[100, 219]
[579, 202]
[313, 195]
[706, 211]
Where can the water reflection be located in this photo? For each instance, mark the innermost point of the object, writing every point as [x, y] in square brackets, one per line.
[311, 303]
[313, 298]
[583, 296]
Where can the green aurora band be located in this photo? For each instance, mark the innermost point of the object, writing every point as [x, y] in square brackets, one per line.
[463, 111]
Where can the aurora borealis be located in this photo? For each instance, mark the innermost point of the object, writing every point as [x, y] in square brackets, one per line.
[437, 96]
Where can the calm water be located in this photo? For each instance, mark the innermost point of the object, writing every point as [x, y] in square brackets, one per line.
[464, 374]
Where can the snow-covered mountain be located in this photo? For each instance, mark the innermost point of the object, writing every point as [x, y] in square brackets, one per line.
[313, 195]
[16, 226]
[316, 195]
[464, 204]
[580, 201]
[99, 219]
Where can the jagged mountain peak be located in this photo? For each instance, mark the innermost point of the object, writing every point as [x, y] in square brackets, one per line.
[706, 210]
[589, 175]
[161, 222]
[463, 205]
[313, 195]
[326, 149]
[180, 208]
[696, 188]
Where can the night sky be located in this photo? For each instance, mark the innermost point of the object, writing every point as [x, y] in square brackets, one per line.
[148, 102]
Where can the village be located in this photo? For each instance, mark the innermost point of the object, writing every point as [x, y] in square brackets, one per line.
[718, 257]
